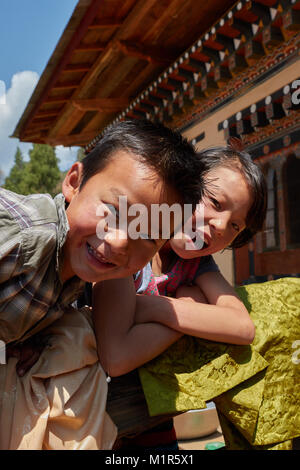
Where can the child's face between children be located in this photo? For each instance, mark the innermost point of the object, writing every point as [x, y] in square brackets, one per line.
[95, 259]
[225, 213]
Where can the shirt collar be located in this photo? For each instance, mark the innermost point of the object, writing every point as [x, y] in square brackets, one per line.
[63, 228]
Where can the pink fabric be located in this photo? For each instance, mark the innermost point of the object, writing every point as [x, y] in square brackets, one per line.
[183, 272]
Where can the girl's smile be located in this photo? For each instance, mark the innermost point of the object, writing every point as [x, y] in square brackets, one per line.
[225, 213]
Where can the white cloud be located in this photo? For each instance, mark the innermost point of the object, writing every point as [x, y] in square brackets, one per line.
[17, 96]
[16, 99]
[2, 92]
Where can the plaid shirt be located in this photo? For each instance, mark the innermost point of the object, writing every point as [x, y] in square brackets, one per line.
[33, 230]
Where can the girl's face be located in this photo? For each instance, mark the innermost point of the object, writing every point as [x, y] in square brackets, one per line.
[225, 213]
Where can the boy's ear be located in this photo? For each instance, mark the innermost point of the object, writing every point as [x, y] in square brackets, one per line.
[71, 183]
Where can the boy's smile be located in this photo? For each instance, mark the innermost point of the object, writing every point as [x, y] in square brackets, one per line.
[113, 254]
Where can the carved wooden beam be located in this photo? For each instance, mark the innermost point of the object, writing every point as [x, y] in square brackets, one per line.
[149, 108]
[291, 20]
[222, 75]
[237, 63]
[177, 84]
[165, 93]
[47, 120]
[105, 23]
[158, 103]
[258, 118]
[196, 94]
[71, 84]
[253, 51]
[226, 41]
[242, 26]
[101, 104]
[208, 85]
[69, 140]
[184, 102]
[229, 127]
[55, 99]
[77, 67]
[197, 65]
[91, 47]
[139, 113]
[191, 77]
[274, 110]
[213, 54]
[39, 127]
[151, 54]
[262, 11]
[244, 126]
[33, 136]
[271, 36]
[49, 113]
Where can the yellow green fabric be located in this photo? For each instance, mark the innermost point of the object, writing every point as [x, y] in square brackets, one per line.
[256, 388]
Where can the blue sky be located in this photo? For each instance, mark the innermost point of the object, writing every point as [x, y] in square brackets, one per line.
[29, 33]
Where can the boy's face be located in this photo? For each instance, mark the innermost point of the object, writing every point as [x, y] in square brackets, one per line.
[112, 254]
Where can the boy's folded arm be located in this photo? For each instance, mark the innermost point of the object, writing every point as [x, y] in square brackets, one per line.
[122, 344]
[224, 318]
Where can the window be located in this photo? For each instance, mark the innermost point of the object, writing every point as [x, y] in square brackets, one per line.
[291, 177]
[271, 232]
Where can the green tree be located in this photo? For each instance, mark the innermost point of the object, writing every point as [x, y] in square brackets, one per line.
[39, 175]
[15, 180]
[42, 173]
[80, 154]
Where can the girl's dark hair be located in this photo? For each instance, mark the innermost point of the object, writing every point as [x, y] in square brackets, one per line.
[162, 149]
[233, 157]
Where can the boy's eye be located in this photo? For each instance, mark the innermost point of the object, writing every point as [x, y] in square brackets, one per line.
[110, 209]
[216, 203]
[236, 227]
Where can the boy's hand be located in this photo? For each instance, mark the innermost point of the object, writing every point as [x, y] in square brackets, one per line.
[27, 352]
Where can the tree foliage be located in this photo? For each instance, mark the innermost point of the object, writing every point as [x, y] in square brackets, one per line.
[14, 182]
[39, 175]
[80, 154]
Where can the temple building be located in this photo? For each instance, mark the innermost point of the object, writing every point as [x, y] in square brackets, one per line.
[212, 70]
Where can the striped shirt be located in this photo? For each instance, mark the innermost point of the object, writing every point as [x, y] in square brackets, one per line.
[33, 230]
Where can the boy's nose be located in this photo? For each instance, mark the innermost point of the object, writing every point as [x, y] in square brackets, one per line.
[219, 224]
[116, 244]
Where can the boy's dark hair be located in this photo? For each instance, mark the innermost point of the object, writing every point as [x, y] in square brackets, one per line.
[162, 149]
[240, 160]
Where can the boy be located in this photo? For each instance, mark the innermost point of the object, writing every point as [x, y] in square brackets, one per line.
[49, 249]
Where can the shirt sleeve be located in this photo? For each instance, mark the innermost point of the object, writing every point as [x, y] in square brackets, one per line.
[11, 253]
[207, 264]
[25, 253]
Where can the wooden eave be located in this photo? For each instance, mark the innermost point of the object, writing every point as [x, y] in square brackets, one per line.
[153, 58]
[109, 50]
